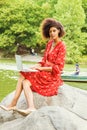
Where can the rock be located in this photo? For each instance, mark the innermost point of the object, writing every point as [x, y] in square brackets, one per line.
[66, 111]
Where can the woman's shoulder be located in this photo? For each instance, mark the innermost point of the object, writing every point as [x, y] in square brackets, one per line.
[63, 44]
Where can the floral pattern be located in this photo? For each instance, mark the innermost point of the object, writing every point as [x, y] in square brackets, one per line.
[44, 82]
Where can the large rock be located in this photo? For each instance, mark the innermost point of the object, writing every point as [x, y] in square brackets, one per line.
[66, 111]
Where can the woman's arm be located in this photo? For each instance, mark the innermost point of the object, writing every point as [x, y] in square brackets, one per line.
[44, 68]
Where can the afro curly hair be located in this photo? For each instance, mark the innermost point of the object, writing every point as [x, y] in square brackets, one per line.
[48, 23]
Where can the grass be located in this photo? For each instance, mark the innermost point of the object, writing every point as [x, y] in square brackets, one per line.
[8, 78]
[80, 85]
[71, 67]
[8, 81]
[10, 61]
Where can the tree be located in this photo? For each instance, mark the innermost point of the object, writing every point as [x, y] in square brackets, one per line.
[84, 28]
[20, 23]
[72, 16]
[84, 5]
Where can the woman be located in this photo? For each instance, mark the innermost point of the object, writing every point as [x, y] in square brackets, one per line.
[47, 79]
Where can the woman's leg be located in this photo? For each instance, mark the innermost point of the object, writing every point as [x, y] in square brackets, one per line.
[18, 91]
[29, 97]
[28, 94]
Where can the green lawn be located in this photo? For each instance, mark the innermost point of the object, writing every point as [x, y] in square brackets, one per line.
[8, 78]
[80, 85]
[8, 81]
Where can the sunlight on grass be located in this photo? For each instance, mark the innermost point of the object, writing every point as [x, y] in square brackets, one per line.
[80, 85]
[13, 61]
[8, 78]
[7, 82]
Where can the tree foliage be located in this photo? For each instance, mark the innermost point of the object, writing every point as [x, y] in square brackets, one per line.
[84, 5]
[20, 21]
[72, 15]
[84, 28]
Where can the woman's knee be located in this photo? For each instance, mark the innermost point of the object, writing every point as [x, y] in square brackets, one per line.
[26, 83]
[21, 77]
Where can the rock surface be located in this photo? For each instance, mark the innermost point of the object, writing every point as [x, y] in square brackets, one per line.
[66, 111]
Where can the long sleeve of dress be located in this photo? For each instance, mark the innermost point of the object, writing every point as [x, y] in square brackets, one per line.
[44, 82]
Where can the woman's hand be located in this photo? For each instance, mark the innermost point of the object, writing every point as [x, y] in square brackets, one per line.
[36, 66]
[39, 68]
[44, 68]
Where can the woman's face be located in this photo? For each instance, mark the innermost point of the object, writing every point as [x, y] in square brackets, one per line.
[53, 32]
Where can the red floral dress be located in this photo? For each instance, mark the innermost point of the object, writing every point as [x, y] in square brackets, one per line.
[44, 82]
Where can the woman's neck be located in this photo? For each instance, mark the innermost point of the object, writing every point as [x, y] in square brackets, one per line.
[56, 41]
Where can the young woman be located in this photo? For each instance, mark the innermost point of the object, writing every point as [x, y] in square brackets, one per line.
[47, 79]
